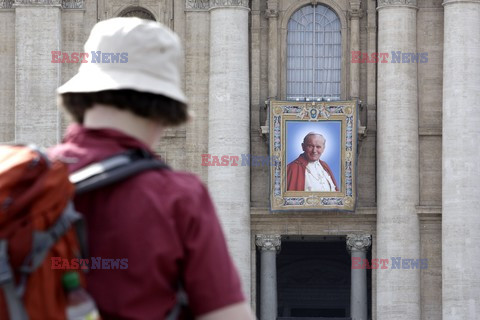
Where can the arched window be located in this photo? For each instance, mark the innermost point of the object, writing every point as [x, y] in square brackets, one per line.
[314, 54]
[138, 12]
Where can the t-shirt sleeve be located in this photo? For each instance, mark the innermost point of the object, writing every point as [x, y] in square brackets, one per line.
[209, 275]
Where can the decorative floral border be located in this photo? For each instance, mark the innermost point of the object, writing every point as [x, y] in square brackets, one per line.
[282, 111]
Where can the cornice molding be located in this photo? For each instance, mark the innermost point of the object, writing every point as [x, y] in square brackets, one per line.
[29, 3]
[228, 3]
[65, 4]
[191, 5]
[396, 3]
[445, 2]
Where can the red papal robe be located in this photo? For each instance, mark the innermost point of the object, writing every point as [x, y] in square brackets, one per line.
[296, 173]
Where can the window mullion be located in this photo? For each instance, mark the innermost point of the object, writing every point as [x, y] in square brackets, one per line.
[314, 50]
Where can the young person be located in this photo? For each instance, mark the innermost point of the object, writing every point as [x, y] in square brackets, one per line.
[162, 221]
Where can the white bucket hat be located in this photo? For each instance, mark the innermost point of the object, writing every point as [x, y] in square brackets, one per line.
[150, 54]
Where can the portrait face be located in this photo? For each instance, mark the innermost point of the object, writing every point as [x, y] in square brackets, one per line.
[313, 147]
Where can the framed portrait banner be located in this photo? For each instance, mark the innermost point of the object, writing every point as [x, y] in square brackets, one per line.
[314, 150]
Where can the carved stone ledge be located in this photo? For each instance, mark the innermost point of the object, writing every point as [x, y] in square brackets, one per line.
[228, 3]
[200, 5]
[358, 242]
[73, 4]
[268, 242]
[6, 4]
[65, 4]
[21, 3]
[197, 4]
[429, 210]
[430, 131]
[393, 3]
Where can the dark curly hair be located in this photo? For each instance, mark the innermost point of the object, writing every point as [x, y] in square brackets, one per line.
[167, 111]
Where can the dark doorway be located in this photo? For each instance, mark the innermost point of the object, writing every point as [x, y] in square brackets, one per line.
[313, 278]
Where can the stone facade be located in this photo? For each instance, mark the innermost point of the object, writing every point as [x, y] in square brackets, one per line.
[235, 60]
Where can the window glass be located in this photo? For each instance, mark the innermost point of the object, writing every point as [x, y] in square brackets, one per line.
[314, 54]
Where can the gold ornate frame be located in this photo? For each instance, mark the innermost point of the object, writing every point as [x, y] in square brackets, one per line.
[283, 111]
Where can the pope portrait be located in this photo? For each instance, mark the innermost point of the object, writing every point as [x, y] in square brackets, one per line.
[308, 172]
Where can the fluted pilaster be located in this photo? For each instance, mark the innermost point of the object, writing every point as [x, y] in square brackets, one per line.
[272, 15]
[355, 14]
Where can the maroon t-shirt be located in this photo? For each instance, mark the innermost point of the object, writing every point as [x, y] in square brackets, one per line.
[163, 222]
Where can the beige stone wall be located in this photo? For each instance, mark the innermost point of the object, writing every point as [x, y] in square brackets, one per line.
[7, 75]
[37, 34]
[74, 35]
[430, 40]
[196, 88]
[430, 76]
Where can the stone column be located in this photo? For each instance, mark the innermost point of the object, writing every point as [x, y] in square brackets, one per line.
[460, 154]
[269, 246]
[358, 245]
[37, 34]
[272, 15]
[355, 15]
[398, 291]
[228, 120]
[197, 26]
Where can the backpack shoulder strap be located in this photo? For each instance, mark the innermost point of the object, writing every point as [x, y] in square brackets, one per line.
[114, 169]
[16, 309]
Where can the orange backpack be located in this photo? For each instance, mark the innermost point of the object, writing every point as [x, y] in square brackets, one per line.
[34, 193]
[36, 219]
